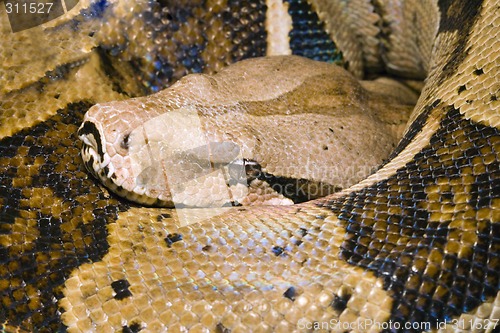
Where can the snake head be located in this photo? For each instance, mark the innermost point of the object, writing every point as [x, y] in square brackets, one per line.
[106, 137]
[157, 151]
[95, 153]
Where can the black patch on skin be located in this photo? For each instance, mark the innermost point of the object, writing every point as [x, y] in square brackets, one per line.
[134, 328]
[120, 287]
[248, 27]
[308, 37]
[493, 98]
[172, 238]
[409, 243]
[291, 188]
[220, 328]
[303, 232]
[278, 250]
[207, 248]
[483, 191]
[61, 205]
[415, 128]
[478, 72]
[460, 17]
[290, 293]
[163, 216]
[37, 150]
[11, 199]
[461, 89]
[50, 230]
[90, 128]
[114, 75]
[339, 303]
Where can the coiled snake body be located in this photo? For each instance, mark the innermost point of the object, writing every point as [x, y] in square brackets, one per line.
[414, 247]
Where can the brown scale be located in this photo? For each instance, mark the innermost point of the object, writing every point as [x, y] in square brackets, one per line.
[52, 219]
[432, 231]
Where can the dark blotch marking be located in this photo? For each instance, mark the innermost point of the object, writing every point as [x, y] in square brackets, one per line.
[460, 17]
[303, 231]
[172, 238]
[415, 128]
[308, 37]
[461, 89]
[64, 241]
[339, 303]
[278, 250]
[291, 188]
[35, 151]
[478, 72]
[60, 73]
[134, 328]
[119, 80]
[50, 230]
[96, 9]
[290, 293]
[483, 190]
[207, 248]
[121, 289]
[160, 217]
[493, 98]
[220, 328]
[428, 281]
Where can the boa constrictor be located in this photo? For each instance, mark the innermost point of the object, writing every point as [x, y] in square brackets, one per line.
[414, 247]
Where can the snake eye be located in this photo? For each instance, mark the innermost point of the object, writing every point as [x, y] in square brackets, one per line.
[124, 143]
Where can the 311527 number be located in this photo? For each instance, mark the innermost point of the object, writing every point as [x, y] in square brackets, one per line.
[29, 8]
